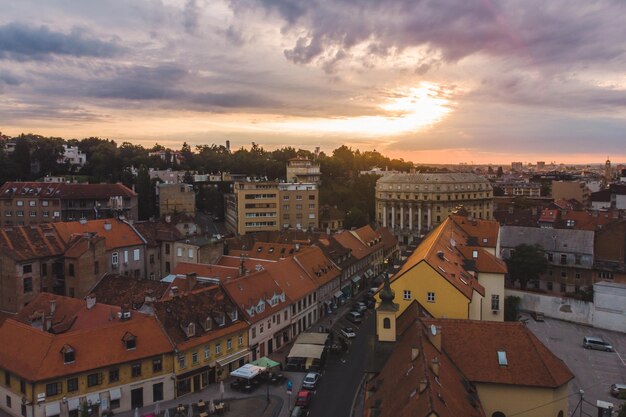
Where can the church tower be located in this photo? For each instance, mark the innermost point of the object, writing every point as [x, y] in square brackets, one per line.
[386, 314]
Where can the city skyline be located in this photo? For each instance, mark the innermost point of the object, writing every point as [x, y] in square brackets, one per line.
[430, 82]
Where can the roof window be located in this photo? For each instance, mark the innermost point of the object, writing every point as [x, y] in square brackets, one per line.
[502, 358]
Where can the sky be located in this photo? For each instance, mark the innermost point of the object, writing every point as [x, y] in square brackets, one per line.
[431, 81]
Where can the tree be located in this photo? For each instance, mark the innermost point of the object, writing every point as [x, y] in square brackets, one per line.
[145, 194]
[511, 307]
[526, 263]
[355, 218]
[500, 172]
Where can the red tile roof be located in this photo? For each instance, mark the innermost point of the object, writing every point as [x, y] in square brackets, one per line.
[24, 243]
[120, 235]
[352, 242]
[474, 345]
[485, 231]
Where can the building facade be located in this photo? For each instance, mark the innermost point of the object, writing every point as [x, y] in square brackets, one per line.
[303, 170]
[412, 204]
[176, 198]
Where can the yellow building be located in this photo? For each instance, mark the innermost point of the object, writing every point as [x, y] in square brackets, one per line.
[207, 347]
[453, 273]
[66, 353]
[412, 204]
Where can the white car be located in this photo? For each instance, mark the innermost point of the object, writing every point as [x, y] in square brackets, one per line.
[310, 380]
[348, 332]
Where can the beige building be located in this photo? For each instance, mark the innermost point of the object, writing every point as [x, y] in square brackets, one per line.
[303, 170]
[567, 190]
[176, 198]
[269, 206]
[412, 204]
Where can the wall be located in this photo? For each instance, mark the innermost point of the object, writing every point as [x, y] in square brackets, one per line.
[610, 306]
[513, 400]
[494, 285]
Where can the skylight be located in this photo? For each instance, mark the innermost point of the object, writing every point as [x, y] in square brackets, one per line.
[502, 358]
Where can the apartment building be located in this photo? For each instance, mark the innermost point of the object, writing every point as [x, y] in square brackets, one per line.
[270, 206]
[303, 170]
[23, 203]
[66, 354]
[176, 198]
[567, 190]
[412, 204]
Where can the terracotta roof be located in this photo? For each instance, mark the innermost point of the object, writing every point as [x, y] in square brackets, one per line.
[319, 268]
[35, 355]
[439, 250]
[233, 260]
[268, 251]
[408, 386]
[24, 243]
[389, 240]
[484, 262]
[474, 345]
[350, 241]
[65, 190]
[584, 220]
[485, 231]
[158, 231]
[549, 215]
[120, 235]
[206, 271]
[207, 305]
[121, 290]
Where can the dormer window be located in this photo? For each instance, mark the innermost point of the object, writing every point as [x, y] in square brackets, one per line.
[207, 324]
[191, 329]
[220, 318]
[130, 340]
[69, 354]
[232, 314]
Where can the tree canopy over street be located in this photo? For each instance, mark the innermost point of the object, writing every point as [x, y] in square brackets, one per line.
[526, 263]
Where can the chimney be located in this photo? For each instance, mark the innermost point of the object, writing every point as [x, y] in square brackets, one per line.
[434, 365]
[174, 291]
[192, 279]
[83, 220]
[53, 306]
[90, 301]
[47, 323]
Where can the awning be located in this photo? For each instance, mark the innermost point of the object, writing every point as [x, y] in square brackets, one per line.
[93, 398]
[248, 371]
[231, 358]
[338, 294]
[369, 273]
[73, 404]
[346, 290]
[115, 394]
[265, 362]
[312, 339]
[301, 350]
[53, 409]
[356, 279]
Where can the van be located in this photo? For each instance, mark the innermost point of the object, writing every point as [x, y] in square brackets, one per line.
[354, 317]
[597, 343]
[616, 389]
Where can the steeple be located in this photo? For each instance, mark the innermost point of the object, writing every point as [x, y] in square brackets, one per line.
[386, 311]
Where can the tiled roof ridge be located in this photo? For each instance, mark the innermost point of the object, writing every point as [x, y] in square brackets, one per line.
[40, 333]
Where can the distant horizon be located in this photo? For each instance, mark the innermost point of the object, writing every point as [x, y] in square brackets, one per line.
[444, 81]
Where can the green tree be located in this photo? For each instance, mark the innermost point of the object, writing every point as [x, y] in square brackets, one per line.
[526, 263]
[145, 194]
[355, 218]
[500, 172]
[511, 307]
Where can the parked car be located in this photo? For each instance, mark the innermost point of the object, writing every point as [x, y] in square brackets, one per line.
[355, 317]
[360, 307]
[303, 399]
[310, 380]
[348, 332]
[299, 411]
[538, 316]
[597, 343]
[616, 389]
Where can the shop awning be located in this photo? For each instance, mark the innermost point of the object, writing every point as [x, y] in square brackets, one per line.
[265, 362]
[338, 294]
[312, 338]
[369, 273]
[53, 409]
[301, 350]
[73, 404]
[231, 358]
[346, 290]
[248, 371]
[356, 279]
[93, 398]
[115, 394]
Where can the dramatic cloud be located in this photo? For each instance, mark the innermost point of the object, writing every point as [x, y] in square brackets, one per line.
[485, 77]
[18, 41]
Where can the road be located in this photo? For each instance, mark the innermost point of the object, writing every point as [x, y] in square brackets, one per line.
[343, 373]
[594, 370]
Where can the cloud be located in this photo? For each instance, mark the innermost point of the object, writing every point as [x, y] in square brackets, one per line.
[191, 13]
[22, 42]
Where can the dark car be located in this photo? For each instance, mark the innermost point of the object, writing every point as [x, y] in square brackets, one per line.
[299, 411]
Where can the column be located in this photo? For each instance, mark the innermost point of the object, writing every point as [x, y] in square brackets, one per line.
[411, 217]
[402, 217]
[393, 216]
[385, 215]
[419, 218]
[430, 223]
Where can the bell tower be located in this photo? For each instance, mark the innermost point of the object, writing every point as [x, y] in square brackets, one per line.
[386, 314]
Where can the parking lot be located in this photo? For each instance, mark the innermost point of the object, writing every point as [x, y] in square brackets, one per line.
[594, 370]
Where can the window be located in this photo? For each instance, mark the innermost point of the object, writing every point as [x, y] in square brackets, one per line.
[563, 288]
[114, 259]
[125, 257]
[44, 203]
[312, 205]
[114, 375]
[22, 386]
[157, 392]
[495, 302]
[549, 285]
[27, 269]
[151, 259]
[218, 349]
[240, 338]
[20, 203]
[157, 365]
[179, 251]
[46, 214]
[229, 344]
[387, 323]
[7, 378]
[130, 341]
[407, 295]
[8, 401]
[28, 285]
[72, 384]
[135, 370]
[311, 197]
[550, 257]
[19, 213]
[53, 388]
[69, 354]
[577, 259]
[181, 361]
[96, 267]
[70, 270]
[563, 259]
[190, 253]
[261, 326]
[32, 213]
[136, 254]
[167, 248]
[253, 332]
[194, 358]
[285, 197]
[207, 352]
[430, 297]
[95, 379]
[298, 197]
[298, 206]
